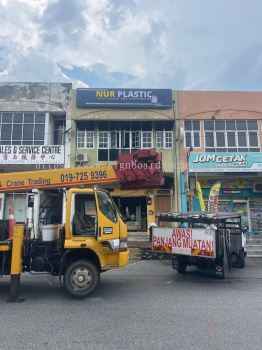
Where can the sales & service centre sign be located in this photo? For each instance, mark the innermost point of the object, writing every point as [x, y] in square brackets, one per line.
[124, 98]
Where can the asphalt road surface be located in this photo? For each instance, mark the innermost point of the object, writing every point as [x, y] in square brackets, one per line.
[146, 305]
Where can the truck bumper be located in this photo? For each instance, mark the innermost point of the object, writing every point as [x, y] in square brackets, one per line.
[113, 260]
[123, 258]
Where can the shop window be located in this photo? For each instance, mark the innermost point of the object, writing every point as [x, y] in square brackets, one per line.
[103, 139]
[136, 139]
[85, 139]
[22, 128]
[85, 135]
[192, 133]
[59, 131]
[103, 155]
[123, 137]
[164, 134]
[164, 139]
[147, 139]
[231, 136]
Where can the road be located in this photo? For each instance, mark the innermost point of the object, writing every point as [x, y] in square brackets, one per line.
[146, 305]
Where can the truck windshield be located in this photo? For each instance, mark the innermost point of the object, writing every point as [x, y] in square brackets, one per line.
[106, 206]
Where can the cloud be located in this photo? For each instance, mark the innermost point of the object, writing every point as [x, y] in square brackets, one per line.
[204, 44]
[97, 75]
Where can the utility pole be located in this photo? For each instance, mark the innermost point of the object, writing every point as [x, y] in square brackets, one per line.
[176, 158]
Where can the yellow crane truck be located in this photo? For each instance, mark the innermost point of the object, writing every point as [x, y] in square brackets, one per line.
[93, 236]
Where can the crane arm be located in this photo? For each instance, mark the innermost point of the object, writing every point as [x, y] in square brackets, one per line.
[142, 169]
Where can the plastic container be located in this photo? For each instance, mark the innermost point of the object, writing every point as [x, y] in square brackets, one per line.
[48, 233]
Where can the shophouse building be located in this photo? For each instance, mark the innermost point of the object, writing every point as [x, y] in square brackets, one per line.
[32, 136]
[222, 142]
[202, 136]
[106, 122]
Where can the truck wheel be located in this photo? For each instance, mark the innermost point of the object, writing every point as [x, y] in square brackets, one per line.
[241, 259]
[81, 278]
[221, 267]
[179, 265]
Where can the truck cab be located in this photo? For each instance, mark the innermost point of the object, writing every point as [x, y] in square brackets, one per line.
[92, 240]
[94, 233]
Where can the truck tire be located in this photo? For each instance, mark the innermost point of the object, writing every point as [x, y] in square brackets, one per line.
[81, 278]
[241, 259]
[179, 265]
[221, 267]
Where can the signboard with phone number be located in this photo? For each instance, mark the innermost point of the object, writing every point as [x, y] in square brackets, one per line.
[57, 178]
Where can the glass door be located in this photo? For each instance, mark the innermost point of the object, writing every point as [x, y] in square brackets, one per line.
[243, 206]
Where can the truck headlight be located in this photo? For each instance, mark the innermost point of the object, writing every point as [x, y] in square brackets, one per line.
[123, 245]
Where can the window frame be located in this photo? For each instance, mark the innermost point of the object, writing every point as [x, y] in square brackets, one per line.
[192, 133]
[236, 132]
[134, 135]
[85, 139]
[99, 133]
[34, 123]
[164, 139]
[150, 133]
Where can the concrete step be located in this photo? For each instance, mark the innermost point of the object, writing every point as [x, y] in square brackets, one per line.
[254, 237]
[254, 241]
[254, 247]
[139, 244]
[254, 252]
[133, 237]
[254, 256]
[134, 253]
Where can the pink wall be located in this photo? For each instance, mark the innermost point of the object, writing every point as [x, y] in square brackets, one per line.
[223, 105]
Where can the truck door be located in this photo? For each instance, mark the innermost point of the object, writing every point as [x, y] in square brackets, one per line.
[84, 215]
[108, 222]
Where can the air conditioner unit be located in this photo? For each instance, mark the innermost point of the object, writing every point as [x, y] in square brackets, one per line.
[257, 187]
[81, 159]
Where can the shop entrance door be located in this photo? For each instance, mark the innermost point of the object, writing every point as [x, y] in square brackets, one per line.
[134, 212]
[243, 206]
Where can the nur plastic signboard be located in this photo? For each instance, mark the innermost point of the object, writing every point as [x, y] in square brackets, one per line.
[124, 98]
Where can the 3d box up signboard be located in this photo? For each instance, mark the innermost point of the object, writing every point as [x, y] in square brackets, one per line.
[124, 98]
[225, 162]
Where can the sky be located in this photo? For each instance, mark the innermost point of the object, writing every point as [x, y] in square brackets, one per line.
[178, 44]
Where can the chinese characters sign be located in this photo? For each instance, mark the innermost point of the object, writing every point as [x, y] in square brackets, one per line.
[31, 154]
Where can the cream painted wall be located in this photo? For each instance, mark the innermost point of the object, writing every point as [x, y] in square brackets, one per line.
[78, 114]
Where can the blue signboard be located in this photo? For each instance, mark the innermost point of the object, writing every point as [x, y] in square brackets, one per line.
[225, 162]
[124, 98]
[232, 191]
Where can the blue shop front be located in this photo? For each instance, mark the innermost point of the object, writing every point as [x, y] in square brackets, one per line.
[240, 175]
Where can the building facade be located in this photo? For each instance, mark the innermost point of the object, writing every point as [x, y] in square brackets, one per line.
[32, 136]
[106, 122]
[203, 136]
[222, 142]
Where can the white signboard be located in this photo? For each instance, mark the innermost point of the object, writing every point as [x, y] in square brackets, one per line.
[185, 241]
[31, 154]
